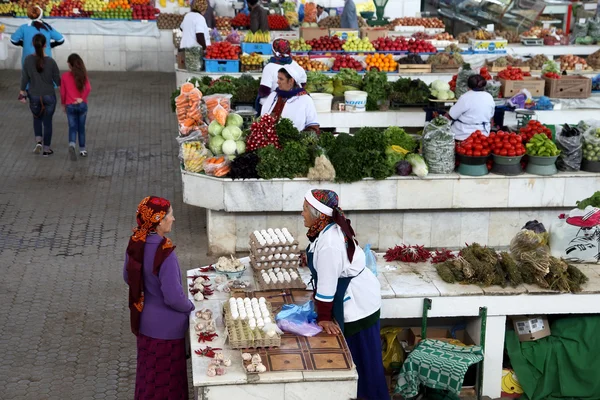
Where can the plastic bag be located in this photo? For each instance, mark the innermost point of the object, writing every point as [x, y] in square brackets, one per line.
[569, 142]
[310, 12]
[217, 166]
[591, 141]
[391, 349]
[493, 88]
[462, 85]
[192, 153]
[580, 30]
[576, 236]
[215, 36]
[370, 259]
[594, 28]
[299, 319]
[519, 99]
[535, 226]
[193, 59]
[219, 103]
[438, 146]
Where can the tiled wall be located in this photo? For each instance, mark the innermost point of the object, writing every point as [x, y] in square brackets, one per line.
[229, 232]
[109, 53]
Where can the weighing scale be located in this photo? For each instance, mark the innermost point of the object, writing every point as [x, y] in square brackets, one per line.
[543, 166]
[379, 10]
[523, 117]
[472, 166]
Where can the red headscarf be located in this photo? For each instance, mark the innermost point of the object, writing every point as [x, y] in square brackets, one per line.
[150, 212]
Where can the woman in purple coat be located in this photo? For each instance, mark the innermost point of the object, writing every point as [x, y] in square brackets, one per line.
[159, 308]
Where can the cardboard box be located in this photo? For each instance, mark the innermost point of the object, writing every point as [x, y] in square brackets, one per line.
[313, 33]
[531, 328]
[534, 85]
[373, 33]
[344, 34]
[568, 87]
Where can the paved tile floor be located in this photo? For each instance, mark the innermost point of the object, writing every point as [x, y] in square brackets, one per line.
[64, 324]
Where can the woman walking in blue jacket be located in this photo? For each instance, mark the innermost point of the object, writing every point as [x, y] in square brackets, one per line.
[24, 35]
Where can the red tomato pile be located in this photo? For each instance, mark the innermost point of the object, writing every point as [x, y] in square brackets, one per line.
[240, 20]
[327, 43]
[476, 145]
[506, 144]
[420, 46]
[534, 127]
[278, 22]
[144, 11]
[552, 75]
[223, 51]
[343, 61]
[512, 74]
[387, 44]
[485, 73]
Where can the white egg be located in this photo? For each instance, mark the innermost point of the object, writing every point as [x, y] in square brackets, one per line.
[277, 256]
[276, 270]
[265, 313]
[235, 315]
[250, 314]
[267, 320]
[260, 323]
[262, 300]
[243, 315]
[270, 257]
[266, 279]
[254, 300]
[294, 275]
[284, 256]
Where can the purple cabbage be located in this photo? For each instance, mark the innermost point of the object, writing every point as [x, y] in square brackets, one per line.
[403, 168]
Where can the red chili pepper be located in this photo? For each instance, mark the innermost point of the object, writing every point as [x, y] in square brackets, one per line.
[207, 269]
[406, 253]
[207, 352]
[206, 337]
[194, 277]
[442, 255]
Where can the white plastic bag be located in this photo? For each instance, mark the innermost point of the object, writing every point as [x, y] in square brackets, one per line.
[576, 236]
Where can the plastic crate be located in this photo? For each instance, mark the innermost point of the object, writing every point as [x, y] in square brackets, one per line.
[260, 48]
[222, 65]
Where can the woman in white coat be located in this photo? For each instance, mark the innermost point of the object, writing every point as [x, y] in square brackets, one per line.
[291, 101]
[347, 294]
[473, 111]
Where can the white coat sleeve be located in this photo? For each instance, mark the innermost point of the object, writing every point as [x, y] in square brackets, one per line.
[311, 114]
[329, 266]
[268, 105]
[459, 108]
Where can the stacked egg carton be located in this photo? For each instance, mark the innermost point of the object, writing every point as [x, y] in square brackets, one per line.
[278, 279]
[274, 248]
[245, 319]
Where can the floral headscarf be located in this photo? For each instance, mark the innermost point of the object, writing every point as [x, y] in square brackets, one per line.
[200, 6]
[282, 52]
[150, 212]
[326, 202]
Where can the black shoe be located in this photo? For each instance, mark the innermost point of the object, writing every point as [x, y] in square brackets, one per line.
[48, 153]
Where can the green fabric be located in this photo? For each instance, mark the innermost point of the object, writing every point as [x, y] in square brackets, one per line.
[437, 365]
[564, 365]
[352, 328]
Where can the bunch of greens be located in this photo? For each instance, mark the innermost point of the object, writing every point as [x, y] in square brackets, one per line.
[593, 201]
[292, 161]
[397, 136]
[221, 85]
[244, 166]
[286, 132]
[326, 141]
[247, 89]
[408, 91]
[318, 82]
[376, 85]
[347, 79]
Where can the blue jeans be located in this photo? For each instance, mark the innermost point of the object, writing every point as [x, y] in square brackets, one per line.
[42, 108]
[76, 114]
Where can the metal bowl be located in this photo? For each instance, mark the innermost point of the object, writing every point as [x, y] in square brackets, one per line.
[503, 160]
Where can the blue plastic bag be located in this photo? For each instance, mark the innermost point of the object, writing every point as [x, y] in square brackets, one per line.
[370, 259]
[298, 319]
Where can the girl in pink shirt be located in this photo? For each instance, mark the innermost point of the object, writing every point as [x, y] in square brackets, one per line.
[74, 90]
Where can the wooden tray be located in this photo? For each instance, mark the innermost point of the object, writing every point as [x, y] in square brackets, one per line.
[414, 68]
[294, 284]
[445, 69]
[499, 69]
[298, 353]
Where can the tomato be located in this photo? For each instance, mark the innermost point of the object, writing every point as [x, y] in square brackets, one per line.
[512, 153]
[478, 147]
[470, 153]
[477, 153]
[503, 152]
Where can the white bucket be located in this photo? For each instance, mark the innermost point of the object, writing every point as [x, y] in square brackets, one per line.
[322, 101]
[356, 100]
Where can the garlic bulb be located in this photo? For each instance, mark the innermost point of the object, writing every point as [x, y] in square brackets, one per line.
[221, 371]
[256, 359]
[211, 371]
[199, 296]
[261, 368]
[198, 314]
[246, 356]
[199, 327]
[251, 368]
[198, 285]
[206, 314]
[227, 362]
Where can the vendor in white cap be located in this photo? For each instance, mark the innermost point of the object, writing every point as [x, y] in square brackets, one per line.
[347, 295]
[291, 101]
[282, 56]
[321, 13]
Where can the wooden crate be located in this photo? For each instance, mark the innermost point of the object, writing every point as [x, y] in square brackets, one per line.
[534, 85]
[568, 87]
[414, 68]
[446, 69]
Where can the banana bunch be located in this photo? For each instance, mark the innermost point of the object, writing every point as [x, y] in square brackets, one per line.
[193, 156]
[5, 8]
[292, 17]
[257, 37]
[510, 384]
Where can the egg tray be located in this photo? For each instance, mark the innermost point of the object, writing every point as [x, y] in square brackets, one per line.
[241, 336]
[260, 284]
[257, 248]
[256, 264]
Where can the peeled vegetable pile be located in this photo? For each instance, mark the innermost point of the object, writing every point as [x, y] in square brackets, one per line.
[529, 262]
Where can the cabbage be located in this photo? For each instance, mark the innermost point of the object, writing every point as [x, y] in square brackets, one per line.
[231, 133]
[419, 168]
[443, 95]
[234, 120]
[440, 86]
[451, 95]
[215, 128]
[229, 147]
[215, 144]
[241, 146]
[403, 168]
